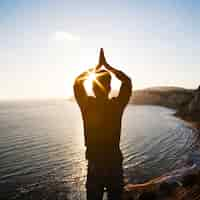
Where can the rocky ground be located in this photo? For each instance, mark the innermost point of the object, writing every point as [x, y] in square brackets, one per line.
[180, 184]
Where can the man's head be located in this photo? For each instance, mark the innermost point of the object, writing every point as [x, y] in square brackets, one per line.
[101, 86]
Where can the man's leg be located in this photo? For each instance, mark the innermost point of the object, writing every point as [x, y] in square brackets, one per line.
[94, 194]
[115, 193]
[115, 183]
[94, 185]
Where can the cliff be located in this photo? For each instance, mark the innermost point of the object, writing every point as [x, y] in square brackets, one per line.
[172, 97]
[185, 102]
[191, 110]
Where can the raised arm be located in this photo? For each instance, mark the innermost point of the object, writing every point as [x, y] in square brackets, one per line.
[126, 86]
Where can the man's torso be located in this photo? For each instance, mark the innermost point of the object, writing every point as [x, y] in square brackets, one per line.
[102, 128]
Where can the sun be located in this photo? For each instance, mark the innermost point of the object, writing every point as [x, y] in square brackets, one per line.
[91, 77]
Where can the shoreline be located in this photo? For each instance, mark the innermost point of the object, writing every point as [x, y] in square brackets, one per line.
[182, 183]
[179, 184]
[188, 120]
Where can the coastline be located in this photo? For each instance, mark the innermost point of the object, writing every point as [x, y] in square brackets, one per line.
[193, 123]
[185, 102]
[179, 184]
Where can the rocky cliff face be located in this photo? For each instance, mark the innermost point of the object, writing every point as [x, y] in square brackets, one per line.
[194, 105]
[191, 110]
[172, 98]
[185, 102]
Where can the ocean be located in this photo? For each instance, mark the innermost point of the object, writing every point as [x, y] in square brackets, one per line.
[42, 153]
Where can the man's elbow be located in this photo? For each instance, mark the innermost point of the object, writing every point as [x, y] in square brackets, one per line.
[130, 86]
[129, 83]
[75, 86]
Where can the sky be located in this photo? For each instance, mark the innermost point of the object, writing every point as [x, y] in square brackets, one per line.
[44, 44]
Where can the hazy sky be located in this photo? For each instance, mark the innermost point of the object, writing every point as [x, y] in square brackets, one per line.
[44, 44]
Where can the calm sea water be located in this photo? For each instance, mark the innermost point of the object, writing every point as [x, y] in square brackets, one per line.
[42, 151]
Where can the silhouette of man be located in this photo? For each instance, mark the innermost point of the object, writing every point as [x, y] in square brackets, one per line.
[102, 126]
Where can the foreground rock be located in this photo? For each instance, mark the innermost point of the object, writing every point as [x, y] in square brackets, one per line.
[180, 184]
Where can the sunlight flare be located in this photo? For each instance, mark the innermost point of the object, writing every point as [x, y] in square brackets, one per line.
[92, 77]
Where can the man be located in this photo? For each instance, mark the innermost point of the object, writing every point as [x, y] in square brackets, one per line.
[102, 126]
